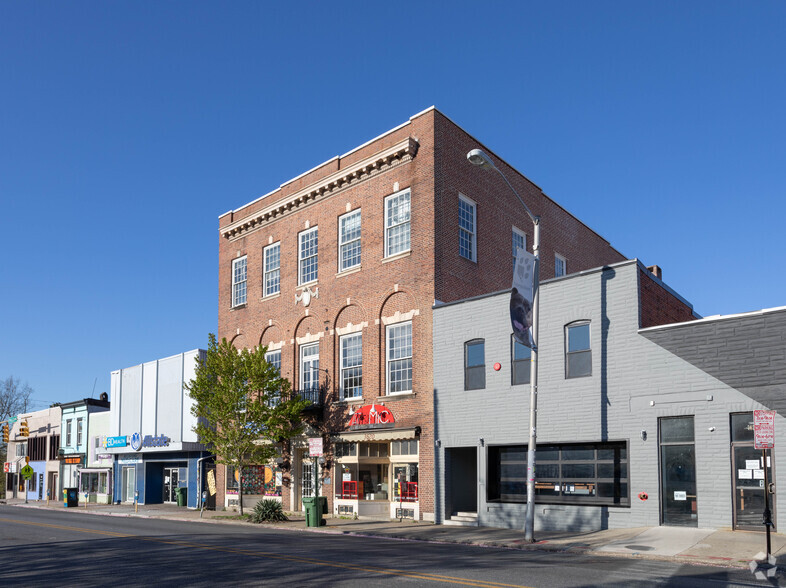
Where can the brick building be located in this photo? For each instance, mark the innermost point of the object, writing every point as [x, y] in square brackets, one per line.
[337, 271]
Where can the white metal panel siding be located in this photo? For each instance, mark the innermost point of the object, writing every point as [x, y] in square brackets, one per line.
[115, 404]
[131, 398]
[149, 397]
[189, 372]
[170, 397]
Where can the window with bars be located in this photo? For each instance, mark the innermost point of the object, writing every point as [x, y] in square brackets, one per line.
[399, 358]
[308, 265]
[592, 473]
[54, 446]
[349, 241]
[467, 228]
[272, 269]
[352, 366]
[239, 281]
[397, 223]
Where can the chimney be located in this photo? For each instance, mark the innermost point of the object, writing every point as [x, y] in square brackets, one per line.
[656, 271]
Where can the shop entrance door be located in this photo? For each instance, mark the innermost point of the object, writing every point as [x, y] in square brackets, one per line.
[128, 484]
[678, 472]
[747, 474]
[170, 484]
[307, 476]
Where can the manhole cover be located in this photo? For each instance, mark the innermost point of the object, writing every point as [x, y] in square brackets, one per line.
[639, 547]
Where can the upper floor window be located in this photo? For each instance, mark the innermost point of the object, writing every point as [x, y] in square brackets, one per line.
[274, 359]
[352, 366]
[560, 265]
[521, 362]
[307, 256]
[467, 228]
[309, 366]
[349, 241]
[519, 241]
[272, 269]
[399, 358]
[578, 354]
[475, 365]
[239, 281]
[397, 221]
[79, 425]
[68, 432]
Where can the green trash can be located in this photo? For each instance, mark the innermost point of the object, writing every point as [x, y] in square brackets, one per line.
[310, 504]
[182, 496]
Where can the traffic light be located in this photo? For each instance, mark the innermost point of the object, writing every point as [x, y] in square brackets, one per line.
[23, 430]
[5, 432]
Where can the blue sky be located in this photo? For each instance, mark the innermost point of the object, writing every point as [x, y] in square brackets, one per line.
[127, 128]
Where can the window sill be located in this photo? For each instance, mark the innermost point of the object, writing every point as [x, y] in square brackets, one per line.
[347, 272]
[237, 307]
[271, 296]
[397, 395]
[350, 401]
[397, 256]
[306, 285]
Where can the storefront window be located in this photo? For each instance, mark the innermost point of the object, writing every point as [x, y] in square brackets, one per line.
[257, 480]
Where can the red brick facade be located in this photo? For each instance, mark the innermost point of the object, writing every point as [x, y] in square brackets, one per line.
[659, 306]
[428, 157]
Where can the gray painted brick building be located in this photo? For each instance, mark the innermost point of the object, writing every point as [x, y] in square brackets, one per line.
[653, 426]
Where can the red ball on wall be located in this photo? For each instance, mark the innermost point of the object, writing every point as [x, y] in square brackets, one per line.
[497, 367]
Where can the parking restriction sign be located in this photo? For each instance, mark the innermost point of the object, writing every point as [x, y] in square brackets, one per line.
[763, 429]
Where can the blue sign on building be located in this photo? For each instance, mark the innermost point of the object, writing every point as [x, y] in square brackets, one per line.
[116, 441]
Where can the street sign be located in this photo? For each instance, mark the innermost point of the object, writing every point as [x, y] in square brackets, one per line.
[315, 446]
[763, 429]
[27, 472]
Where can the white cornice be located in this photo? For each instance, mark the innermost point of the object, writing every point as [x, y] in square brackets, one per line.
[399, 153]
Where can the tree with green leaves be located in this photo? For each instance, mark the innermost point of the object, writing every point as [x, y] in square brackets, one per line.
[243, 406]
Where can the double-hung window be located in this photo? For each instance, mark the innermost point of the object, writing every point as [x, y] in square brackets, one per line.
[521, 362]
[560, 265]
[68, 432]
[349, 241]
[519, 242]
[352, 366]
[467, 228]
[399, 358]
[239, 281]
[274, 359]
[578, 354]
[79, 424]
[309, 372]
[475, 364]
[272, 269]
[307, 256]
[397, 223]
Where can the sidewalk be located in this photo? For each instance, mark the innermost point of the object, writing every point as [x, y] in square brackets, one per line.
[689, 545]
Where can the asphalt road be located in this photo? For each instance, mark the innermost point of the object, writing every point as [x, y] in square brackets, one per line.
[45, 547]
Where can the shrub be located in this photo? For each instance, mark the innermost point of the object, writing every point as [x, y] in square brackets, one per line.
[267, 511]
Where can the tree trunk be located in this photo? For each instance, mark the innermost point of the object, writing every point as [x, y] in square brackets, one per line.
[240, 489]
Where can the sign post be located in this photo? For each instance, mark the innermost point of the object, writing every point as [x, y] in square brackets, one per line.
[764, 439]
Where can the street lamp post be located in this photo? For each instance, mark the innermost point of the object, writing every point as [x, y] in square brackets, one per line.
[480, 159]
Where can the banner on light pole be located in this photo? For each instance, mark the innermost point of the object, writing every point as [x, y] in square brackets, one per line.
[522, 295]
